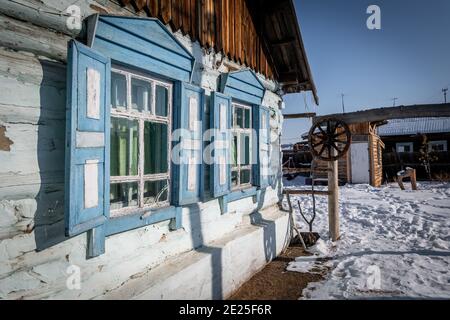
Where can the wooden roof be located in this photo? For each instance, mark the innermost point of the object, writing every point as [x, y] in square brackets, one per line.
[400, 112]
[278, 25]
[263, 35]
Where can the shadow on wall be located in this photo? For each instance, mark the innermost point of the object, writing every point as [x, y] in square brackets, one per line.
[49, 216]
[214, 252]
[269, 229]
[194, 210]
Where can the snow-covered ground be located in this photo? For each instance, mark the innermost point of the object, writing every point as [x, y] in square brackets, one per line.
[394, 243]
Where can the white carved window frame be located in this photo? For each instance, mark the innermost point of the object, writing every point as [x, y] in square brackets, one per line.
[132, 114]
[236, 131]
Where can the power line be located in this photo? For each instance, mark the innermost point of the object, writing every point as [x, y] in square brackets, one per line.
[343, 104]
[445, 94]
[394, 99]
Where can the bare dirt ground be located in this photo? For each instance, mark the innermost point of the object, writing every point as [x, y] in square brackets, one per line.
[275, 283]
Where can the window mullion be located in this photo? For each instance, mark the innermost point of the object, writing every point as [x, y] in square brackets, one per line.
[141, 162]
[238, 150]
[129, 107]
[153, 102]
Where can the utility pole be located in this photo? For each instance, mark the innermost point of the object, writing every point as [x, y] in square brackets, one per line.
[394, 99]
[445, 94]
[343, 105]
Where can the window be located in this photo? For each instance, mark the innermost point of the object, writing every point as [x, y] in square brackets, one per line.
[140, 139]
[438, 146]
[404, 147]
[241, 150]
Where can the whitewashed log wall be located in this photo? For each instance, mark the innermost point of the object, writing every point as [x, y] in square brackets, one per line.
[32, 130]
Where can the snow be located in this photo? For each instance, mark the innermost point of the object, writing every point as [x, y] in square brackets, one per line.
[394, 243]
[304, 264]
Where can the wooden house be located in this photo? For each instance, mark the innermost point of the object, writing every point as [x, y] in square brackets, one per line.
[139, 145]
[405, 139]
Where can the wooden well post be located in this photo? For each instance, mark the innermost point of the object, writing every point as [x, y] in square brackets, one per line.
[333, 200]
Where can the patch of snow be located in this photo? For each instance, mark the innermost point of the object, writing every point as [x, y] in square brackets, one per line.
[321, 248]
[303, 264]
[394, 243]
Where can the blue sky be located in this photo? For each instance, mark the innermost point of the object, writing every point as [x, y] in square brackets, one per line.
[409, 58]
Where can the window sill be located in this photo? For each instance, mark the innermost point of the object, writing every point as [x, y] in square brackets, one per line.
[242, 194]
[140, 218]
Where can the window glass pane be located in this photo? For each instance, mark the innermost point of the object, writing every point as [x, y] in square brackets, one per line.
[124, 147]
[118, 90]
[247, 119]
[141, 95]
[123, 195]
[161, 107]
[245, 176]
[234, 151]
[155, 148]
[234, 178]
[245, 149]
[155, 191]
[239, 117]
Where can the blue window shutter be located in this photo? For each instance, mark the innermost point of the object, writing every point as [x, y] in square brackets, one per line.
[87, 139]
[220, 119]
[261, 123]
[187, 155]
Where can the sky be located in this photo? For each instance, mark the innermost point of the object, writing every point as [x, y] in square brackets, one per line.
[408, 58]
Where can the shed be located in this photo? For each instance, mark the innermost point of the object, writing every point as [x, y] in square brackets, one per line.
[363, 162]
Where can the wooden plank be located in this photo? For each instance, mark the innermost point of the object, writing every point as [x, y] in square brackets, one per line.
[244, 39]
[153, 7]
[238, 35]
[231, 20]
[218, 25]
[333, 200]
[202, 23]
[232, 82]
[131, 42]
[400, 112]
[185, 16]
[299, 115]
[128, 222]
[194, 20]
[206, 18]
[175, 14]
[211, 29]
[165, 10]
[225, 29]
